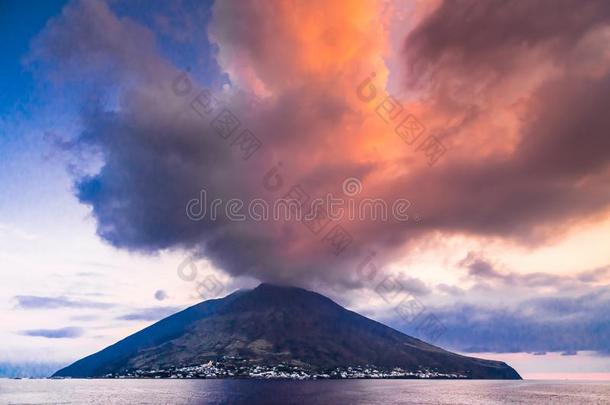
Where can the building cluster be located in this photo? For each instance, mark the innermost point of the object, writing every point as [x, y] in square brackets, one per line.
[233, 367]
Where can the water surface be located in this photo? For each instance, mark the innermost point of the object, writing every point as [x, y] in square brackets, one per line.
[437, 392]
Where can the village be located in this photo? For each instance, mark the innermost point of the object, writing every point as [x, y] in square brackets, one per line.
[232, 367]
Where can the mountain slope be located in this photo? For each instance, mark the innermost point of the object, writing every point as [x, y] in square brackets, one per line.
[270, 325]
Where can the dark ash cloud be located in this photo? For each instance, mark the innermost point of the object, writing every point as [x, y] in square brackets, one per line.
[522, 84]
[537, 67]
[480, 35]
[157, 154]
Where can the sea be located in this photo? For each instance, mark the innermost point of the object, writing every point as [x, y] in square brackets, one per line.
[437, 392]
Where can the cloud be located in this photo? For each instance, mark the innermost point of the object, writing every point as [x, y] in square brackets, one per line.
[149, 314]
[61, 333]
[451, 35]
[15, 232]
[413, 285]
[545, 324]
[520, 108]
[157, 144]
[450, 289]
[87, 274]
[41, 302]
[85, 318]
[160, 295]
[481, 269]
[534, 90]
[595, 275]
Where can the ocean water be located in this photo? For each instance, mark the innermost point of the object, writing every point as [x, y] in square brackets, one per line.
[437, 392]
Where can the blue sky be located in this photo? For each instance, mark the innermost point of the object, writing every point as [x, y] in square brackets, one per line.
[20, 23]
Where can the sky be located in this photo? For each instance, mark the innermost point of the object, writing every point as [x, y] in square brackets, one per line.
[487, 118]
